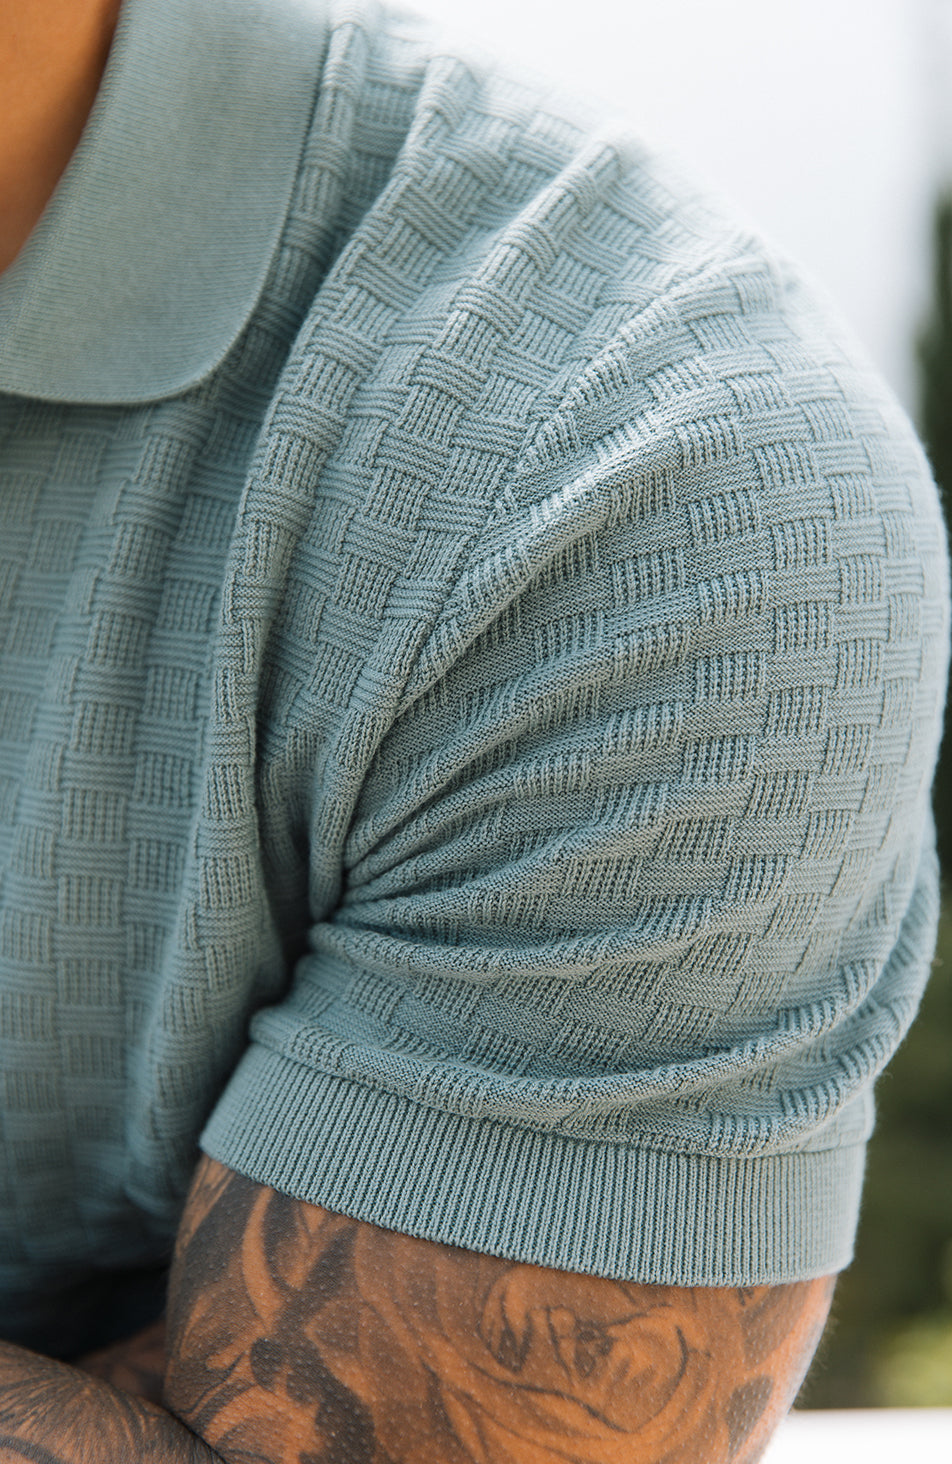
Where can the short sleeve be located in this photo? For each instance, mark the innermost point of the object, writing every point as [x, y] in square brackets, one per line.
[637, 893]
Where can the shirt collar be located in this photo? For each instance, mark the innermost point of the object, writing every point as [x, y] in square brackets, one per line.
[152, 252]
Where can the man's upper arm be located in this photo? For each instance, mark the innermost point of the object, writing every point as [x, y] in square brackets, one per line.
[296, 1334]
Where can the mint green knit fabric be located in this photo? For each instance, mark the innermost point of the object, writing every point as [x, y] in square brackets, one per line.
[467, 756]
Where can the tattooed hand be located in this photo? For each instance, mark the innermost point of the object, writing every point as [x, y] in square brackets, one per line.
[54, 1414]
[297, 1335]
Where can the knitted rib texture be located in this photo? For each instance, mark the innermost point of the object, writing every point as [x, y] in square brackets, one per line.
[515, 674]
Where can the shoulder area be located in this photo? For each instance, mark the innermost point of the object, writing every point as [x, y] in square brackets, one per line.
[538, 260]
[487, 145]
[618, 222]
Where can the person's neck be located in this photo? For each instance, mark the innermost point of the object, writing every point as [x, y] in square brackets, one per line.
[52, 57]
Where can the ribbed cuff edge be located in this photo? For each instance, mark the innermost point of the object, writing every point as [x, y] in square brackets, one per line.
[637, 1214]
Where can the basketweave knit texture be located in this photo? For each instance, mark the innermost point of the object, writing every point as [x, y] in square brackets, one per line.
[515, 674]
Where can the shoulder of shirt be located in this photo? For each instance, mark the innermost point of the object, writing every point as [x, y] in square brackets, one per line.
[587, 319]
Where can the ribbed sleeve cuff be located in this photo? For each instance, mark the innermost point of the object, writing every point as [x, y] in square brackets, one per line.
[612, 1210]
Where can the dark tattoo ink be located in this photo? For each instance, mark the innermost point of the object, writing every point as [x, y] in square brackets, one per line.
[745, 1407]
[34, 1452]
[301, 1337]
[51, 1413]
[136, 1365]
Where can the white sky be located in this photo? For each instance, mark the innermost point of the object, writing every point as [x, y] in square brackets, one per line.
[819, 117]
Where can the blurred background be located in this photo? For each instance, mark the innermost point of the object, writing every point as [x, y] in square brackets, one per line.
[829, 122]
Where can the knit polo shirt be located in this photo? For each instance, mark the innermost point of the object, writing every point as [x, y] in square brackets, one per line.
[472, 652]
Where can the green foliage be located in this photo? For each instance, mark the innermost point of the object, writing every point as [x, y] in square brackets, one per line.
[935, 424]
[890, 1342]
[914, 1367]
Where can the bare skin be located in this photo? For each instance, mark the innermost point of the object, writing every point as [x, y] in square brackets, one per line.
[296, 1336]
[52, 57]
[136, 1365]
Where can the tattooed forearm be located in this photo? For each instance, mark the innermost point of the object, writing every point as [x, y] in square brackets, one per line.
[301, 1337]
[136, 1365]
[54, 1414]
